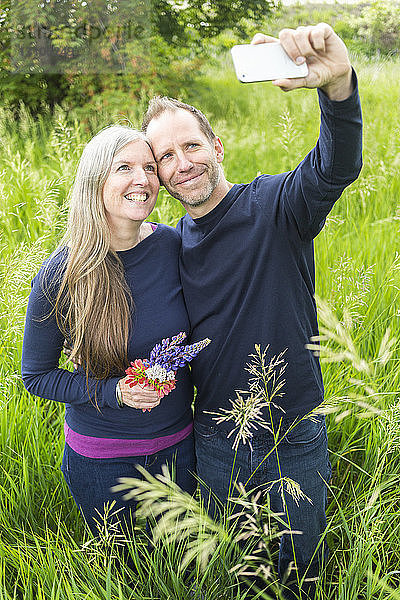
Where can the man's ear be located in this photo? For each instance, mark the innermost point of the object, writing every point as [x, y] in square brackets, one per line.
[219, 149]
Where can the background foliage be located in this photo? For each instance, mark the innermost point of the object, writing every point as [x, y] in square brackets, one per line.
[155, 46]
[62, 48]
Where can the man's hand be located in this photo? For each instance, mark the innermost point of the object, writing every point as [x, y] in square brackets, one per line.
[67, 350]
[138, 397]
[327, 59]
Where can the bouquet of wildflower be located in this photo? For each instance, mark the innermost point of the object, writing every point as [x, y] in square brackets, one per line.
[158, 372]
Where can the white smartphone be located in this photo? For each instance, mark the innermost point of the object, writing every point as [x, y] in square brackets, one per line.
[265, 62]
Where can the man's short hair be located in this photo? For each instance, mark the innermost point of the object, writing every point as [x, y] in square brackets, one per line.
[161, 104]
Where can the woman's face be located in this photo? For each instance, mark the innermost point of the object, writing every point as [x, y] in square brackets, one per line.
[131, 188]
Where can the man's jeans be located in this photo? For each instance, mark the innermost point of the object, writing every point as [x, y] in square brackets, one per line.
[90, 480]
[303, 457]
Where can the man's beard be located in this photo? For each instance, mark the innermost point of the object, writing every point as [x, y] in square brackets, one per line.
[199, 196]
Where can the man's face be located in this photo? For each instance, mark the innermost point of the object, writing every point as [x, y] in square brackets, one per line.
[188, 164]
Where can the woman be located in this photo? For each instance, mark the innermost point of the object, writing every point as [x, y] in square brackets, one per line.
[113, 290]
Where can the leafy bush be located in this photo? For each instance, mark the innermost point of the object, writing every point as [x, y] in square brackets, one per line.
[366, 28]
[378, 28]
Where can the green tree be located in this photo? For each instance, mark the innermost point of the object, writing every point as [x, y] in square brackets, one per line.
[74, 49]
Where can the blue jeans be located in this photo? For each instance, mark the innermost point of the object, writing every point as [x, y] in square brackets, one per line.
[303, 457]
[90, 480]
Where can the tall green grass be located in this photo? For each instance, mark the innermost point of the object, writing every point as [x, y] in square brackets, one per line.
[358, 275]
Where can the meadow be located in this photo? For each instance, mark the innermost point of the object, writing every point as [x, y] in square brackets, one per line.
[44, 551]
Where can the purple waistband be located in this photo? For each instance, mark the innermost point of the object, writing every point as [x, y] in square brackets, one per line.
[95, 447]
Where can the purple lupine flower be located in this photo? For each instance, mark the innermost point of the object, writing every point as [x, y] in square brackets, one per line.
[158, 372]
[162, 352]
[170, 355]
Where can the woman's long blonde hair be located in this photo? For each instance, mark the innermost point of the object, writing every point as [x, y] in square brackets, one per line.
[94, 304]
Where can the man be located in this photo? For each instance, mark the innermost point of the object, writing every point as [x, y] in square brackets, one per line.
[247, 269]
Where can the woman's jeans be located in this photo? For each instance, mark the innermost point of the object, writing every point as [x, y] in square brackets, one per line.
[90, 480]
[302, 457]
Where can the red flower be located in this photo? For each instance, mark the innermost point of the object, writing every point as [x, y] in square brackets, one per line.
[137, 375]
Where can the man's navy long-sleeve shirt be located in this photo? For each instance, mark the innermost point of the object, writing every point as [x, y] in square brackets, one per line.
[247, 269]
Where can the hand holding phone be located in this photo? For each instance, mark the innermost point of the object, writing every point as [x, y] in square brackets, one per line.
[265, 62]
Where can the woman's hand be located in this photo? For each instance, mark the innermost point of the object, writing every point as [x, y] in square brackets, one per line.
[138, 396]
[135, 397]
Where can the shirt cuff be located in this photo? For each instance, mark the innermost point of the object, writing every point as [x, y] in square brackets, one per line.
[108, 393]
[340, 105]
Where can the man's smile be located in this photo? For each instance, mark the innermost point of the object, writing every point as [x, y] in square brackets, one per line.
[190, 179]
